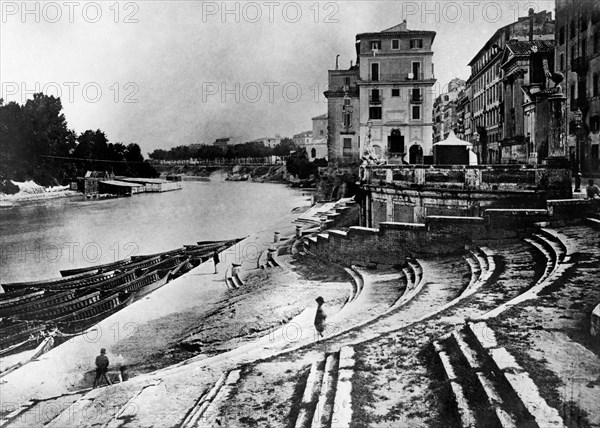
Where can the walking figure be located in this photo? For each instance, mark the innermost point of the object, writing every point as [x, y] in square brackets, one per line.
[101, 368]
[320, 318]
[215, 259]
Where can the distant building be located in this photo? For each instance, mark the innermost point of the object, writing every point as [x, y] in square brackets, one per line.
[268, 141]
[486, 84]
[343, 108]
[395, 91]
[578, 59]
[464, 117]
[317, 148]
[444, 110]
[222, 143]
[302, 139]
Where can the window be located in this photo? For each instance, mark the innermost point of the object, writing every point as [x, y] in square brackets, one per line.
[416, 43]
[416, 94]
[347, 81]
[446, 98]
[313, 153]
[596, 89]
[347, 146]
[416, 112]
[347, 119]
[375, 72]
[562, 61]
[573, 52]
[375, 113]
[584, 23]
[572, 32]
[583, 48]
[321, 132]
[375, 44]
[561, 35]
[395, 92]
[375, 98]
[395, 44]
[416, 70]
[573, 99]
[347, 101]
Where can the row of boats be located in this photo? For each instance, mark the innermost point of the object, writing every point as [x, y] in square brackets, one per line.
[30, 312]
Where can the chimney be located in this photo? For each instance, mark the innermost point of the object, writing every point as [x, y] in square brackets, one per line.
[531, 13]
[351, 64]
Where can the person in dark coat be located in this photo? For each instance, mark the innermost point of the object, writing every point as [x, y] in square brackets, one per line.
[216, 259]
[320, 318]
[102, 368]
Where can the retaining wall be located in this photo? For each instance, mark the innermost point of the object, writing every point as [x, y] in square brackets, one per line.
[392, 242]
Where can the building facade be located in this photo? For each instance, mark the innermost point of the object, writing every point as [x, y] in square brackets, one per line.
[486, 82]
[302, 139]
[343, 110]
[395, 83]
[445, 110]
[577, 57]
[524, 74]
[317, 147]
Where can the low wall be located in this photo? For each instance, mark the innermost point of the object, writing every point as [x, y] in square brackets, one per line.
[392, 242]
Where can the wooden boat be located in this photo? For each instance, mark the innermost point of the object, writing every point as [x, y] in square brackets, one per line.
[46, 301]
[19, 296]
[25, 337]
[46, 342]
[82, 319]
[100, 268]
[48, 283]
[58, 310]
[164, 254]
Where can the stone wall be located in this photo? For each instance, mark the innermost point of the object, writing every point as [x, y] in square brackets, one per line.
[392, 242]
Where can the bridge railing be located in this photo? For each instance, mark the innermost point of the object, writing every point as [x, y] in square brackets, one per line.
[268, 160]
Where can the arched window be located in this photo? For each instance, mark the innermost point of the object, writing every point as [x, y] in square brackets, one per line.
[313, 153]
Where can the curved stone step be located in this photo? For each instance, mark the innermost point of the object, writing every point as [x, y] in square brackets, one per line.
[518, 379]
[324, 409]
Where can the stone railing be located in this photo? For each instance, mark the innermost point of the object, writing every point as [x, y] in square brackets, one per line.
[479, 178]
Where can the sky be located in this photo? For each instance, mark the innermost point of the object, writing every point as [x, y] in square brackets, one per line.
[169, 73]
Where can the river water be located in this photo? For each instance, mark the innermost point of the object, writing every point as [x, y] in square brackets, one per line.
[38, 240]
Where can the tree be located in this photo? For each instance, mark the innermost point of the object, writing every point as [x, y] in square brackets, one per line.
[284, 148]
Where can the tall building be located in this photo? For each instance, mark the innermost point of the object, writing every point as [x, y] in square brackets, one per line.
[578, 59]
[464, 120]
[343, 112]
[396, 93]
[486, 84]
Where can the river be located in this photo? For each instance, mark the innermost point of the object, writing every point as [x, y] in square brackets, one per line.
[38, 240]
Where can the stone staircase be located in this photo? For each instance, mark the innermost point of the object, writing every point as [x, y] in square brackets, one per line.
[326, 401]
[486, 384]
[205, 412]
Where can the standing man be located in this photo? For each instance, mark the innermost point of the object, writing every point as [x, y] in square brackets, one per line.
[215, 259]
[320, 318]
[101, 368]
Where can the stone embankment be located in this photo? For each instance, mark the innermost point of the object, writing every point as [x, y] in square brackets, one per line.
[492, 331]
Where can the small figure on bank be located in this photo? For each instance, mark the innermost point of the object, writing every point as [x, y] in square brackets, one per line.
[123, 374]
[320, 318]
[592, 191]
[102, 368]
[215, 259]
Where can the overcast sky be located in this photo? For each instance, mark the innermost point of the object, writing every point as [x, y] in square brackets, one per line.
[167, 73]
